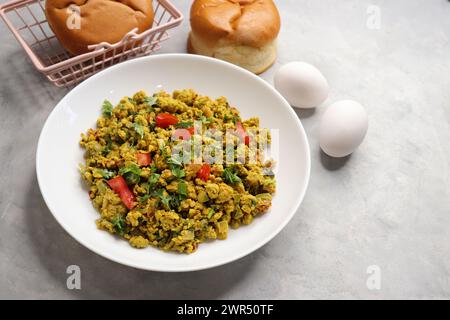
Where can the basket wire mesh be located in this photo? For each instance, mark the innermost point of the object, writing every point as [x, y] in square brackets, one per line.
[26, 19]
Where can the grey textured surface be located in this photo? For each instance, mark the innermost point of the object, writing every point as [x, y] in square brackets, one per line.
[386, 205]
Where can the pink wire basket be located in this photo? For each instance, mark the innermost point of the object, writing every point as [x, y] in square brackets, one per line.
[26, 19]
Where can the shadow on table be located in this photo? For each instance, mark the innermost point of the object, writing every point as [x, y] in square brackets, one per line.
[101, 278]
[305, 113]
[331, 163]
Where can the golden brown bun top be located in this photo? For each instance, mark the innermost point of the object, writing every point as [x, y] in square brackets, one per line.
[101, 20]
[252, 23]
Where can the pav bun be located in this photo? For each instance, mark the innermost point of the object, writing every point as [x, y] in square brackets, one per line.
[242, 32]
[99, 21]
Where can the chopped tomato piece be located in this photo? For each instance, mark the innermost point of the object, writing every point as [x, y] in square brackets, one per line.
[120, 187]
[144, 159]
[164, 120]
[117, 184]
[242, 133]
[183, 134]
[191, 130]
[128, 198]
[204, 172]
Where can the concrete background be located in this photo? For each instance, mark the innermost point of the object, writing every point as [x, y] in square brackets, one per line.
[387, 205]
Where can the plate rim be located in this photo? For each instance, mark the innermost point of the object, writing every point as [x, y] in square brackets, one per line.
[257, 245]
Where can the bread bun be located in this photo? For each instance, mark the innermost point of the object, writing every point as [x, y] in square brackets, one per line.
[242, 32]
[100, 21]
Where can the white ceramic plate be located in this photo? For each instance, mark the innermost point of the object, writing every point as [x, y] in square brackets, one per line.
[58, 155]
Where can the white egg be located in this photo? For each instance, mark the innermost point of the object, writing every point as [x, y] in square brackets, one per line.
[301, 84]
[343, 128]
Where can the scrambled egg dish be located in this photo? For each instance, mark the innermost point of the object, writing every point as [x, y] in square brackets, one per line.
[150, 197]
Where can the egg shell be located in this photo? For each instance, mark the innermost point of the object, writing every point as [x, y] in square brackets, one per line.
[343, 128]
[301, 84]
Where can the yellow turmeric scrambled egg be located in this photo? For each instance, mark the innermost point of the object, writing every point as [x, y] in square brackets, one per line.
[171, 204]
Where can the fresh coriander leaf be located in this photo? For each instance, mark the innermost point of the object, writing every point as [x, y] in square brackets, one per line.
[131, 100]
[119, 224]
[132, 141]
[158, 193]
[131, 173]
[107, 108]
[186, 124]
[175, 201]
[153, 180]
[151, 101]
[229, 176]
[211, 213]
[174, 234]
[133, 167]
[235, 119]
[178, 173]
[105, 173]
[174, 162]
[182, 188]
[165, 200]
[205, 120]
[225, 118]
[139, 128]
[144, 198]
[131, 178]
[107, 149]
